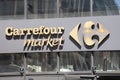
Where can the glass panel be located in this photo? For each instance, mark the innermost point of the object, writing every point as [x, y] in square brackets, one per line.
[11, 9]
[106, 7]
[75, 61]
[42, 8]
[11, 62]
[74, 8]
[41, 62]
[107, 61]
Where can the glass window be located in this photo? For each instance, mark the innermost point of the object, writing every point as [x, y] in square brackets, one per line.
[75, 61]
[74, 8]
[42, 8]
[41, 62]
[11, 62]
[106, 7]
[11, 9]
[107, 61]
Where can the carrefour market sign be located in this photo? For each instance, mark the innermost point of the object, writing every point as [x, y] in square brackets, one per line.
[60, 34]
[37, 37]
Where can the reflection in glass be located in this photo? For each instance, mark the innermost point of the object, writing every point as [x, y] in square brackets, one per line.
[74, 61]
[106, 7]
[11, 9]
[42, 8]
[11, 62]
[107, 61]
[74, 8]
[41, 62]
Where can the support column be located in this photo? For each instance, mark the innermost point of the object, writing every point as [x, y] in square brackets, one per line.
[25, 9]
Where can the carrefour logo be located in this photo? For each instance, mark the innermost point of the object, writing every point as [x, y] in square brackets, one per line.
[91, 32]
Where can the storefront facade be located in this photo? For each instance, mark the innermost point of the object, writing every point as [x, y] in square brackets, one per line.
[59, 40]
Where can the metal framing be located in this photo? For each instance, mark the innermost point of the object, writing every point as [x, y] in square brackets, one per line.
[25, 9]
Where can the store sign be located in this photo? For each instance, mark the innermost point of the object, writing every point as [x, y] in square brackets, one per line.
[37, 37]
[60, 34]
[91, 32]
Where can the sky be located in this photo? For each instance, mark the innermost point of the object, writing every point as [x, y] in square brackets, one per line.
[118, 2]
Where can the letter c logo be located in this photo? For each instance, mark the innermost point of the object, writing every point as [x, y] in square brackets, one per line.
[91, 32]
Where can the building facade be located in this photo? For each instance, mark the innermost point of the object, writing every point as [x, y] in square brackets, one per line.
[59, 40]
